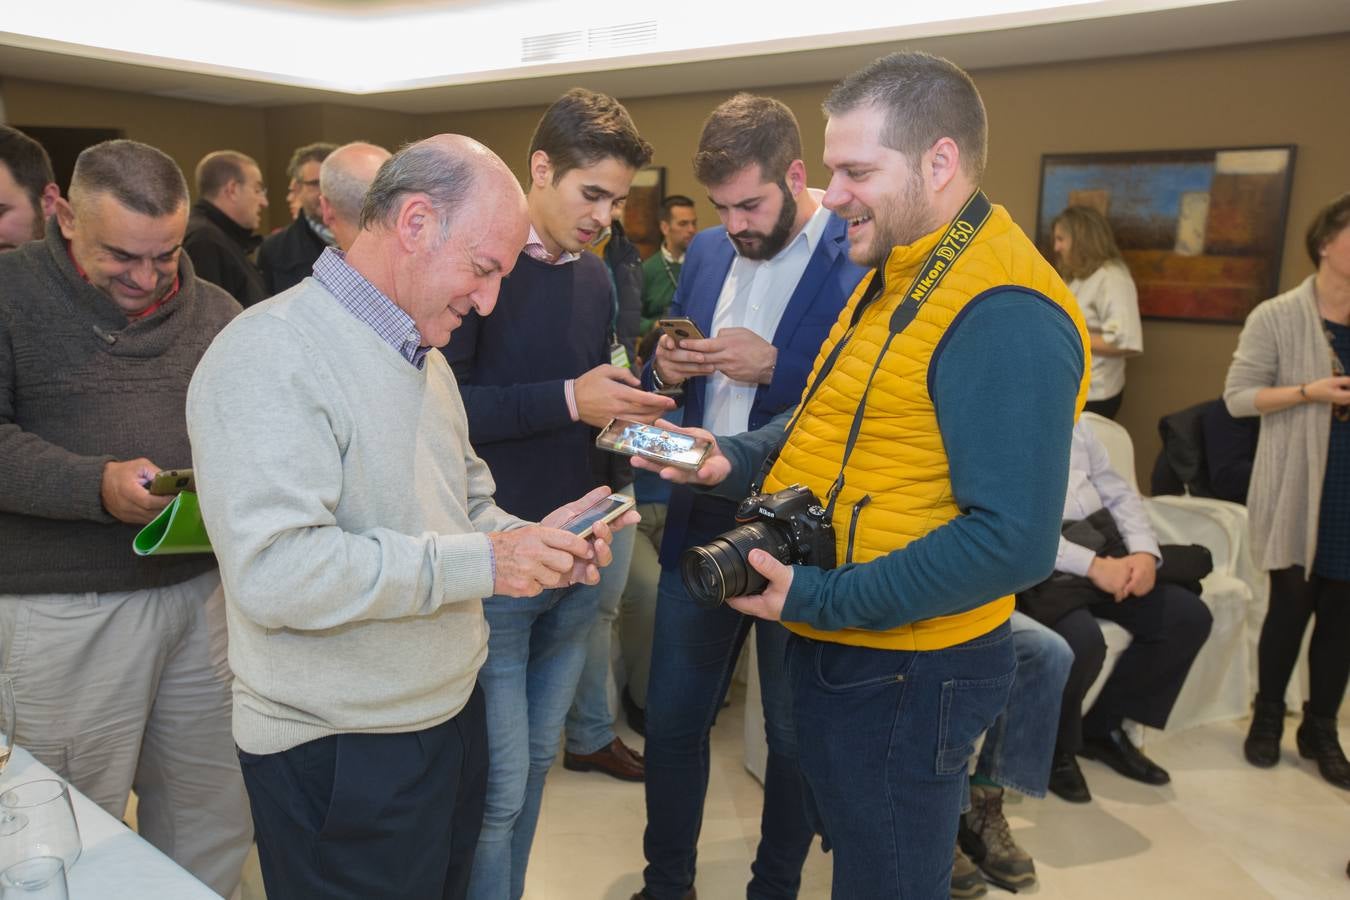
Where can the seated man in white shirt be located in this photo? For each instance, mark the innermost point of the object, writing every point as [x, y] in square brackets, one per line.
[1107, 568]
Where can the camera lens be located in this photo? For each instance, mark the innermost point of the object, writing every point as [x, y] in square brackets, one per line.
[720, 568]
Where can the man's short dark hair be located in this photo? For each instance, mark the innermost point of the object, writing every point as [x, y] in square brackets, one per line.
[747, 130]
[136, 175]
[219, 169]
[924, 98]
[29, 165]
[668, 206]
[1329, 222]
[421, 168]
[316, 152]
[582, 128]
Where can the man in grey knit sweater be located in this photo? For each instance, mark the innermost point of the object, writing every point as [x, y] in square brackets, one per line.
[118, 662]
[357, 536]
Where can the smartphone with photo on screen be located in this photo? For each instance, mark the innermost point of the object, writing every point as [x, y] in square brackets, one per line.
[630, 438]
[606, 510]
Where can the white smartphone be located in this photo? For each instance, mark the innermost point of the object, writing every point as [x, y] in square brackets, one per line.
[606, 510]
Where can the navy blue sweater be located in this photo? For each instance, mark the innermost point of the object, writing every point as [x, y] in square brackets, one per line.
[551, 323]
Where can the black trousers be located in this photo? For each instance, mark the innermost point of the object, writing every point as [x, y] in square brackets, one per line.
[366, 816]
[1293, 601]
[1108, 407]
[1169, 625]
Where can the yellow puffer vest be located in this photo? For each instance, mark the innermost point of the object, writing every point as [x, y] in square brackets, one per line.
[897, 485]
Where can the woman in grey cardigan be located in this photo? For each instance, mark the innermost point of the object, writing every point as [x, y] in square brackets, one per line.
[1289, 369]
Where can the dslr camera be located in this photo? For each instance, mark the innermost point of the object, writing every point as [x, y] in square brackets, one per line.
[790, 525]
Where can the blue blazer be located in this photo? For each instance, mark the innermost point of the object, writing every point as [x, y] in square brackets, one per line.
[824, 288]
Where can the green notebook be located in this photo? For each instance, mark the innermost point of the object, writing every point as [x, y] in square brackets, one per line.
[178, 529]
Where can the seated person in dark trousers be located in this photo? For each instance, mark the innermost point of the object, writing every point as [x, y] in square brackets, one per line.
[1107, 569]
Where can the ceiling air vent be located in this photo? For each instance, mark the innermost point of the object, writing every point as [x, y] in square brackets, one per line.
[559, 45]
[609, 40]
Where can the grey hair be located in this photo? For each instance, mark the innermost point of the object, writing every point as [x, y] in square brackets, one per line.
[421, 168]
[136, 175]
[924, 98]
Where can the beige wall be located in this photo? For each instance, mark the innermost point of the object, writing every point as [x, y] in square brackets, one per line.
[1276, 93]
[184, 129]
[1287, 92]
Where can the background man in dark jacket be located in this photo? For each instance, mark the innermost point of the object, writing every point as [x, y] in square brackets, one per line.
[287, 257]
[220, 231]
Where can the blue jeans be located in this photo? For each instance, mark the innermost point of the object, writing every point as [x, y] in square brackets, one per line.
[694, 652]
[1019, 745]
[536, 648]
[884, 739]
[590, 723]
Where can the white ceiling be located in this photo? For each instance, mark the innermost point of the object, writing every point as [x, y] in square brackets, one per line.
[1080, 30]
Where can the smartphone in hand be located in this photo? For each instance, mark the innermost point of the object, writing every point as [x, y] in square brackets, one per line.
[630, 438]
[170, 482]
[606, 510]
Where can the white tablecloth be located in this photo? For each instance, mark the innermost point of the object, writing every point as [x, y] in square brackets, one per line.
[116, 863]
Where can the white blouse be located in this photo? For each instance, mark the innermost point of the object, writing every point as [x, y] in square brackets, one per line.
[1110, 305]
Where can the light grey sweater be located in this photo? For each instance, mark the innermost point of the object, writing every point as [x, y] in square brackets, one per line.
[1283, 344]
[347, 510]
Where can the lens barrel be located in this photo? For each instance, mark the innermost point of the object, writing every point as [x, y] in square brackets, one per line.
[720, 568]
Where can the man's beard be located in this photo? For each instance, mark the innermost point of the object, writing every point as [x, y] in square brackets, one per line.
[775, 240]
[898, 221]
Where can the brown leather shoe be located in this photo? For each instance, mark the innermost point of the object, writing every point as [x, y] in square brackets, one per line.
[617, 760]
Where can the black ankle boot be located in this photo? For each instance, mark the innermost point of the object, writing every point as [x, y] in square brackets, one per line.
[1318, 740]
[1262, 747]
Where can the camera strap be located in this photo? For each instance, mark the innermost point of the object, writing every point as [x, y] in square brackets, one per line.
[943, 257]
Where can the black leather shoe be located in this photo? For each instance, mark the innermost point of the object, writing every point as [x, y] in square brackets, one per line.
[1262, 746]
[643, 895]
[1318, 740]
[1066, 779]
[1117, 752]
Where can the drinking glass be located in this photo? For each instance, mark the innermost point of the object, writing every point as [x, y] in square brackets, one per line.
[39, 878]
[37, 819]
[7, 720]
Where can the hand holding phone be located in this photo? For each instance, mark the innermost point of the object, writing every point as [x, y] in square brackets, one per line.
[606, 510]
[672, 361]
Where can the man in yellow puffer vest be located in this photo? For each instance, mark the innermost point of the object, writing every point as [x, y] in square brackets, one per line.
[936, 427]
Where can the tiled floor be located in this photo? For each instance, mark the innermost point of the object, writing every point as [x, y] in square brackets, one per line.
[1221, 829]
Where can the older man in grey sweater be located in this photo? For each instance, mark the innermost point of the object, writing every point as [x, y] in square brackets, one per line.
[357, 535]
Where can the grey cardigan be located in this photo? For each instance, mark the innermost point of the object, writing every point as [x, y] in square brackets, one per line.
[1283, 343]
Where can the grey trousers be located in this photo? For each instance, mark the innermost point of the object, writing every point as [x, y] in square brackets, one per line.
[131, 691]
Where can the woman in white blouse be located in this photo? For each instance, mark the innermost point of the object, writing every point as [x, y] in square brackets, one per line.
[1088, 259]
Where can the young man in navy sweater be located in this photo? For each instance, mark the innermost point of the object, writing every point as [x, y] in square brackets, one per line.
[537, 383]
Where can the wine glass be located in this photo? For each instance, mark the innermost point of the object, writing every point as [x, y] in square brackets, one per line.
[39, 878]
[7, 719]
[37, 819]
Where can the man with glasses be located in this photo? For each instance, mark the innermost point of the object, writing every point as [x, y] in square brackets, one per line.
[287, 257]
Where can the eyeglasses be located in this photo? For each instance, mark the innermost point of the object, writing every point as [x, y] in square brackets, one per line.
[300, 182]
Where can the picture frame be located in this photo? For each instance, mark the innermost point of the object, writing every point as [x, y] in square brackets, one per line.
[642, 212]
[1201, 230]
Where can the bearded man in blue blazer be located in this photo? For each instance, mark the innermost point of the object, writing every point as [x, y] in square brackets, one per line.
[766, 286]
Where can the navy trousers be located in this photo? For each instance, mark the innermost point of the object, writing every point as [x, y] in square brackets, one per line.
[365, 816]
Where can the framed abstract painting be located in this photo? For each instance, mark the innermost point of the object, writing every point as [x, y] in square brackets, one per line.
[1202, 231]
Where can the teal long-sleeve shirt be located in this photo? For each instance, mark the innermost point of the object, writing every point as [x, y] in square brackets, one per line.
[1003, 381]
